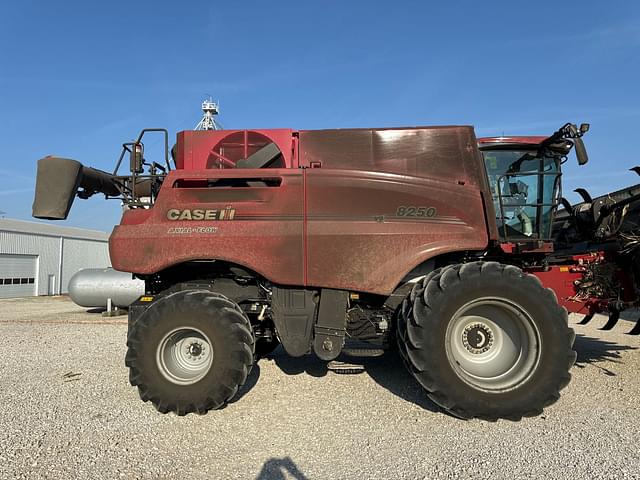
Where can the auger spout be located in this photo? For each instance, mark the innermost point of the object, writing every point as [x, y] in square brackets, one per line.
[59, 180]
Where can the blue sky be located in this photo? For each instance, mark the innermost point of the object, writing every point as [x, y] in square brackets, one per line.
[79, 78]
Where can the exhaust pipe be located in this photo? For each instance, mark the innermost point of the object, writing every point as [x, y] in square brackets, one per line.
[58, 181]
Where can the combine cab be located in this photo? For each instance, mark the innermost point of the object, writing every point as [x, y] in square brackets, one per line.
[326, 241]
[591, 260]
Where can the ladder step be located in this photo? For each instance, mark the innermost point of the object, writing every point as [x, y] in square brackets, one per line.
[363, 352]
[337, 366]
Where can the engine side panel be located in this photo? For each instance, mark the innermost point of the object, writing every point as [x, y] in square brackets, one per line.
[264, 233]
[360, 235]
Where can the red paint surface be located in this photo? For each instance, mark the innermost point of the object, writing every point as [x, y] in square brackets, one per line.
[562, 283]
[265, 235]
[198, 150]
[561, 279]
[349, 249]
[334, 226]
[522, 140]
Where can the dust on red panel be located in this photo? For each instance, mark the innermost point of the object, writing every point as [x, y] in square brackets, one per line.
[219, 149]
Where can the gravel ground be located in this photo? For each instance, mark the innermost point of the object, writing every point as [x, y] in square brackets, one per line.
[69, 412]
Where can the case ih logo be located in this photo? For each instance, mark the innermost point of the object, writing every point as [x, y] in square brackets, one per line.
[199, 214]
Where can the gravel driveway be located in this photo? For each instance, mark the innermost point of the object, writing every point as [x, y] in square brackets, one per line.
[68, 412]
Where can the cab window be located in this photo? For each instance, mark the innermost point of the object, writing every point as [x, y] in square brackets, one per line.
[525, 189]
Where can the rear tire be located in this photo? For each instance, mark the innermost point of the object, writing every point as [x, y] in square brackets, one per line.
[486, 341]
[190, 352]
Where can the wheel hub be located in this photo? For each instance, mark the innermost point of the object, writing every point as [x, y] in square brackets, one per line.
[477, 338]
[184, 356]
[195, 349]
[492, 344]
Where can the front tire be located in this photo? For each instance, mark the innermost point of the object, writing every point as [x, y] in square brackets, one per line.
[486, 340]
[190, 352]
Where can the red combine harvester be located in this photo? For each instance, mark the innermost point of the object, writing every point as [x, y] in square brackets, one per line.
[461, 252]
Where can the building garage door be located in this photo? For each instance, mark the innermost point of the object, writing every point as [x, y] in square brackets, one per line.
[18, 275]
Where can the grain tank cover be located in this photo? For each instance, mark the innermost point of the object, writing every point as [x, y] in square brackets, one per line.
[447, 153]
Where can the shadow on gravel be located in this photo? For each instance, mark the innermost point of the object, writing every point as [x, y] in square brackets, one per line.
[389, 372]
[280, 469]
[386, 370]
[592, 350]
[97, 310]
[309, 364]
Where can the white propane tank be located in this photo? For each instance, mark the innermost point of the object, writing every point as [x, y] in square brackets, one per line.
[92, 287]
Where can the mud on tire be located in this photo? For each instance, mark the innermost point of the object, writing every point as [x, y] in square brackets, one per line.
[486, 341]
[190, 352]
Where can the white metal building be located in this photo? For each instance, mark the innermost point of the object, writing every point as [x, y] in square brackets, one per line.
[40, 258]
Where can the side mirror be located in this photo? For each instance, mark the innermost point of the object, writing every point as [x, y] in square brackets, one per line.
[136, 158]
[581, 151]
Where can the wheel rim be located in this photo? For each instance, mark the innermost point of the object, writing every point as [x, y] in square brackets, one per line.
[184, 356]
[493, 344]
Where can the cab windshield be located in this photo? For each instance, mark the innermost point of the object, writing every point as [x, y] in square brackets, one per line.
[525, 190]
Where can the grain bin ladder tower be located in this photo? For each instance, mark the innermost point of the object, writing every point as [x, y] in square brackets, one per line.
[209, 111]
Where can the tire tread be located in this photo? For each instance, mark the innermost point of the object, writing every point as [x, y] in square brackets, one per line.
[415, 317]
[231, 320]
